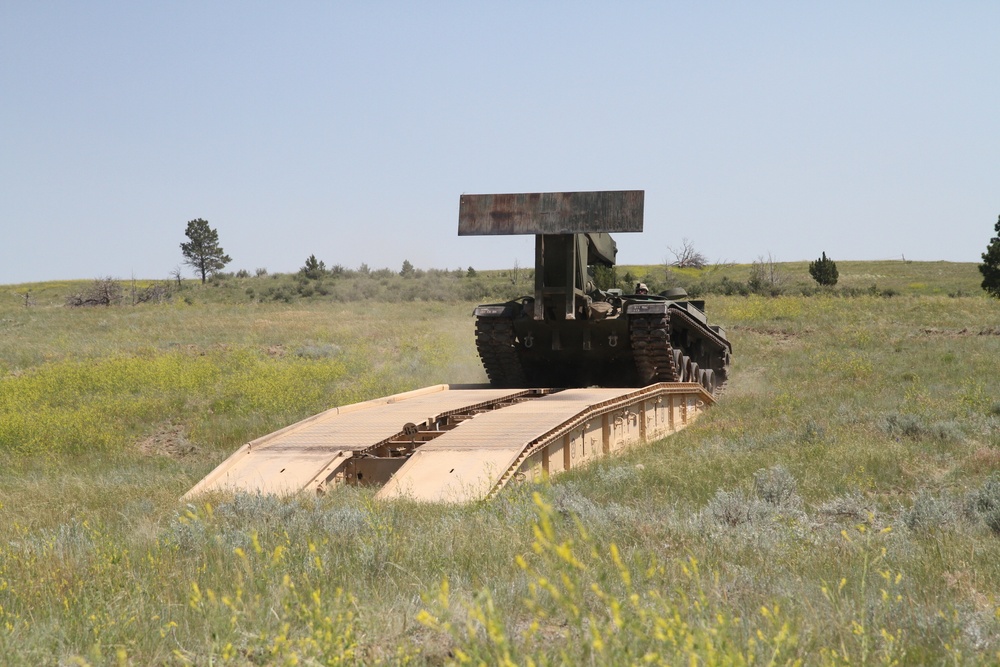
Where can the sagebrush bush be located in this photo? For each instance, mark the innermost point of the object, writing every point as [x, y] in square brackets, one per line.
[915, 427]
[946, 431]
[735, 508]
[984, 502]
[776, 486]
[312, 350]
[902, 425]
[813, 433]
[570, 501]
[930, 512]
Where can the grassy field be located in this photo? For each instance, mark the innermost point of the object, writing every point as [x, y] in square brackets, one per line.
[840, 505]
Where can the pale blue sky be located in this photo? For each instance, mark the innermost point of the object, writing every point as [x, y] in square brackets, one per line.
[868, 130]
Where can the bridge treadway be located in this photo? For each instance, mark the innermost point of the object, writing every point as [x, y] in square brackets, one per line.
[476, 439]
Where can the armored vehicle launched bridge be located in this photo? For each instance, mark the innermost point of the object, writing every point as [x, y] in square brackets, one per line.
[576, 372]
[455, 444]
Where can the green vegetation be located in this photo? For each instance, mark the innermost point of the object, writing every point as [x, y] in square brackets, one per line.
[883, 278]
[313, 269]
[202, 251]
[990, 268]
[824, 270]
[840, 505]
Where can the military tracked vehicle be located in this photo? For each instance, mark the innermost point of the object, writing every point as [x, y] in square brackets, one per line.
[569, 333]
[658, 360]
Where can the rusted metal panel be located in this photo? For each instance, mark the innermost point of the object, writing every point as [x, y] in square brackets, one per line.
[551, 213]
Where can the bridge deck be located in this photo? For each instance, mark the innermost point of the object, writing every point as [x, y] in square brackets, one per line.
[287, 461]
[502, 433]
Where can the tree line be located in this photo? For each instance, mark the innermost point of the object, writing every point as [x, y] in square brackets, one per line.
[204, 254]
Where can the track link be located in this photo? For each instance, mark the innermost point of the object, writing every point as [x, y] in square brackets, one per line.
[657, 360]
[654, 357]
[497, 347]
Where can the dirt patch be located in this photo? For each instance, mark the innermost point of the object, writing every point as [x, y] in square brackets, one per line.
[952, 333]
[274, 351]
[942, 332]
[986, 458]
[168, 440]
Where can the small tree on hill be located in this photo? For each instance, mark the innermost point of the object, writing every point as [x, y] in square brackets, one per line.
[990, 268]
[824, 271]
[314, 269]
[202, 252]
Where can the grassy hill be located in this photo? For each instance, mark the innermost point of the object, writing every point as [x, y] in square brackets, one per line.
[840, 505]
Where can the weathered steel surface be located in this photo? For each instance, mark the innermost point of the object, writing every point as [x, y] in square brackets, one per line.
[551, 213]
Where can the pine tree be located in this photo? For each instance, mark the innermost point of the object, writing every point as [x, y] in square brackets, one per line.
[990, 268]
[314, 269]
[202, 252]
[824, 271]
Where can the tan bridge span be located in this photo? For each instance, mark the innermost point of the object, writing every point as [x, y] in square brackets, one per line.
[455, 444]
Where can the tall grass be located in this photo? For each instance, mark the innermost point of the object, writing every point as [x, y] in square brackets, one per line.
[838, 506]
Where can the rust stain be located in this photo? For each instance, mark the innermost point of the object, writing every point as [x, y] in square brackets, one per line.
[551, 212]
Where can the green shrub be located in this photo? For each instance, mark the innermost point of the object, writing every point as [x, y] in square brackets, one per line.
[313, 269]
[905, 425]
[912, 426]
[318, 350]
[824, 271]
[990, 268]
[775, 486]
[813, 433]
[930, 512]
[984, 502]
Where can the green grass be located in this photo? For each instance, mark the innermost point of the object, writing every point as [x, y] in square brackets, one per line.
[840, 505]
[887, 277]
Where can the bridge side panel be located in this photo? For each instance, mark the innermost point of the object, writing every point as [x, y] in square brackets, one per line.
[648, 418]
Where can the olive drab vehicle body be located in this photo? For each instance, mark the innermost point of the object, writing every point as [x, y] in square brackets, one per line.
[569, 333]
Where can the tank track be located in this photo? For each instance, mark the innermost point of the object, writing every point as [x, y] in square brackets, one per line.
[654, 357]
[497, 347]
[656, 360]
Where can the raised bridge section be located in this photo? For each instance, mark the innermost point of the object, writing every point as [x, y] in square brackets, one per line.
[455, 444]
